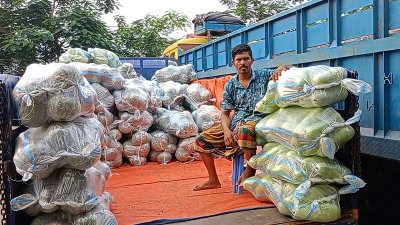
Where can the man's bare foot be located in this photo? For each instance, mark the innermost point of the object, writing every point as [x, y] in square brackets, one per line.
[248, 172]
[207, 185]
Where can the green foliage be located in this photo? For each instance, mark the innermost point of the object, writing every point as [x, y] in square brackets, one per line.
[148, 36]
[255, 10]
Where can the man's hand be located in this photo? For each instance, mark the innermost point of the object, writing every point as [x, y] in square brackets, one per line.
[228, 138]
[278, 72]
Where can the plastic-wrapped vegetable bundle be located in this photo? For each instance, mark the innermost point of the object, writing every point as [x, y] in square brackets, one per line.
[104, 169]
[315, 131]
[70, 190]
[132, 98]
[310, 87]
[256, 186]
[109, 78]
[130, 123]
[76, 55]
[103, 56]
[206, 116]
[156, 95]
[103, 115]
[161, 157]
[180, 124]
[104, 96]
[115, 134]
[117, 162]
[185, 151]
[183, 74]
[99, 215]
[160, 140]
[320, 204]
[53, 92]
[74, 144]
[112, 151]
[197, 95]
[137, 148]
[282, 163]
[127, 71]
[174, 94]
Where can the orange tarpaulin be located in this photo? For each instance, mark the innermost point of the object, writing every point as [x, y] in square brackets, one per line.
[215, 86]
[156, 191]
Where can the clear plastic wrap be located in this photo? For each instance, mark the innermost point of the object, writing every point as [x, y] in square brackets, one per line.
[320, 204]
[185, 151]
[310, 87]
[99, 215]
[130, 123]
[108, 77]
[53, 92]
[180, 124]
[156, 95]
[196, 96]
[127, 71]
[315, 131]
[104, 169]
[41, 150]
[183, 74]
[137, 155]
[140, 137]
[115, 163]
[76, 55]
[103, 56]
[104, 96]
[132, 98]
[105, 117]
[174, 94]
[112, 151]
[160, 140]
[164, 157]
[206, 116]
[70, 190]
[284, 164]
[115, 134]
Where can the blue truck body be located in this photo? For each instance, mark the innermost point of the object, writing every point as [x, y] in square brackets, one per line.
[363, 35]
[147, 66]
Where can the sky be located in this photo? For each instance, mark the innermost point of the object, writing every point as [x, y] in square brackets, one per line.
[131, 10]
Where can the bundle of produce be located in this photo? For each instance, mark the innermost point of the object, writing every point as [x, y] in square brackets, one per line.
[113, 150]
[103, 56]
[108, 77]
[163, 146]
[320, 204]
[183, 74]
[99, 215]
[104, 96]
[174, 95]
[185, 151]
[310, 87]
[180, 124]
[103, 168]
[130, 123]
[282, 163]
[156, 95]
[315, 131]
[206, 116]
[53, 92]
[74, 144]
[137, 148]
[76, 55]
[127, 71]
[115, 134]
[105, 117]
[163, 157]
[196, 96]
[132, 98]
[70, 190]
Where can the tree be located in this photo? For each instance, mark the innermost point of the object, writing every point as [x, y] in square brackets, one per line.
[255, 10]
[148, 36]
[38, 31]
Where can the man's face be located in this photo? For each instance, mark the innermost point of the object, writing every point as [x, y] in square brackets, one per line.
[243, 62]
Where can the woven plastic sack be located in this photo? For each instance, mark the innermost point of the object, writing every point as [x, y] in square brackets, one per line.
[76, 55]
[183, 74]
[196, 96]
[316, 131]
[180, 124]
[320, 204]
[127, 71]
[108, 77]
[53, 92]
[174, 94]
[206, 116]
[99, 215]
[284, 164]
[132, 98]
[103, 56]
[185, 151]
[70, 190]
[104, 96]
[41, 150]
[310, 87]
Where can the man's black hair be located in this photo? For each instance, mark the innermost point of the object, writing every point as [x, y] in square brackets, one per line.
[239, 49]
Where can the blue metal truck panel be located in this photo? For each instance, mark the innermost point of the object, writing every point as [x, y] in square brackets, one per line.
[360, 35]
[147, 66]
